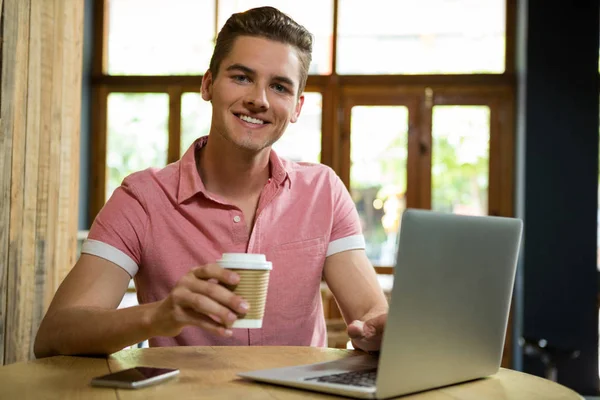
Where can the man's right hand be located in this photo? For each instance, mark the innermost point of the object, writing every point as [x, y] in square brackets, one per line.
[200, 299]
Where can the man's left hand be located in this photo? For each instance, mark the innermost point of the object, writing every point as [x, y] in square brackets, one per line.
[367, 335]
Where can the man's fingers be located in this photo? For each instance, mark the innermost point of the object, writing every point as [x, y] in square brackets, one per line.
[367, 335]
[371, 328]
[376, 325]
[190, 317]
[217, 293]
[204, 305]
[355, 329]
[214, 271]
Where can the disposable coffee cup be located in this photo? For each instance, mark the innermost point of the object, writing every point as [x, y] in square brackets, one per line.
[254, 270]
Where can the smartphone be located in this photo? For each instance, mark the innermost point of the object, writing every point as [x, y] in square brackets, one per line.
[134, 378]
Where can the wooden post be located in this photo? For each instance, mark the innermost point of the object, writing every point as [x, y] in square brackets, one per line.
[39, 162]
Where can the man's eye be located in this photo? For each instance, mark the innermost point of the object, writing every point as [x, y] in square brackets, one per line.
[279, 88]
[240, 78]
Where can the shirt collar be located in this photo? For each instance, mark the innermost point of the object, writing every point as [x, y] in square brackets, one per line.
[190, 183]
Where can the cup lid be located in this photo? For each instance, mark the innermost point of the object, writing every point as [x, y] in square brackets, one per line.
[244, 261]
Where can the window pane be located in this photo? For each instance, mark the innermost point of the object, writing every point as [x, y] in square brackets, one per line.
[421, 37]
[378, 176]
[157, 37]
[460, 159]
[196, 115]
[302, 140]
[314, 15]
[137, 135]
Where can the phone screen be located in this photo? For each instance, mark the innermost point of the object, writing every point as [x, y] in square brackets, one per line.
[134, 376]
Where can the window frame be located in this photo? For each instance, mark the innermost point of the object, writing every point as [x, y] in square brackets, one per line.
[495, 90]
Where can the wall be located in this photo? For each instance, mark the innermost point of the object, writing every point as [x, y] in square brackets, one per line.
[558, 184]
[39, 159]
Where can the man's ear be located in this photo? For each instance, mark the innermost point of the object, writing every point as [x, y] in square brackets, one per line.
[207, 84]
[298, 109]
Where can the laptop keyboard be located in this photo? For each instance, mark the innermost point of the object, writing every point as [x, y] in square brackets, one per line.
[365, 378]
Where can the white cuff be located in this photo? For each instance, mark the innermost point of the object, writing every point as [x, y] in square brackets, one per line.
[110, 253]
[347, 243]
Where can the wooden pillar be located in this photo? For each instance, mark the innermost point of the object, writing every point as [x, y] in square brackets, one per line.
[39, 156]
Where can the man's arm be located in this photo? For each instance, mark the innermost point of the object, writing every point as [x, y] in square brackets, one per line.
[83, 319]
[353, 282]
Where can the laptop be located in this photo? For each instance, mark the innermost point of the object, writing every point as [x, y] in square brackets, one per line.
[448, 313]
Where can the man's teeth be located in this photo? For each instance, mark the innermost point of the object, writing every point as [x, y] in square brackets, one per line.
[251, 120]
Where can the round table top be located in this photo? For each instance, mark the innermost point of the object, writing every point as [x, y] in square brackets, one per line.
[210, 372]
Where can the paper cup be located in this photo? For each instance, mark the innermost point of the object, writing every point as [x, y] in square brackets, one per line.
[254, 270]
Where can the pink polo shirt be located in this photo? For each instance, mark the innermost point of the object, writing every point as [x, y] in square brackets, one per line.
[160, 223]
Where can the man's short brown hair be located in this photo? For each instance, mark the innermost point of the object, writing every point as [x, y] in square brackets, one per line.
[268, 23]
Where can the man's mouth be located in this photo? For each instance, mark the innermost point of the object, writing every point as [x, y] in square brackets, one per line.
[251, 120]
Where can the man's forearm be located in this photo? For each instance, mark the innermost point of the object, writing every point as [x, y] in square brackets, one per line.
[92, 330]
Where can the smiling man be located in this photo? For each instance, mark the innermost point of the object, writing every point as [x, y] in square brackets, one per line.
[230, 192]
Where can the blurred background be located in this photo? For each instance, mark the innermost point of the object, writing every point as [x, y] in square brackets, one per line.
[479, 107]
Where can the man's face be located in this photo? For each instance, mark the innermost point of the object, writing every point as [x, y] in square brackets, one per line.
[255, 93]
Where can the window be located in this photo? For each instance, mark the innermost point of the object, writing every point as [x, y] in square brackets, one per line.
[378, 176]
[409, 101]
[137, 135]
[195, 119]
[421, 37]
[154, 37]
[302, 140]
[460, 159]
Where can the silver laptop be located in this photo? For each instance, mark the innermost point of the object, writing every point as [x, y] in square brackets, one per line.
[448, 314]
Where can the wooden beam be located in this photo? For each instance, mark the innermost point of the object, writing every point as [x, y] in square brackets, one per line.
[330, 125]
[29, 303]
[100, 37]
[488, 80]
[14, 119]
[5, 174]
[331, 122]
[507, 151]
[384, 270]
[98, 120]
[41, 82]
[414, 156]
[97, 177]
[7, 109]
[45, 243]
[195, 81]
[334, 36]
[510, 37]
[174, 147]
[165, 81]
[71, 79]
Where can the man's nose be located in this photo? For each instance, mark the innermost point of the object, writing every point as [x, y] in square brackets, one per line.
[257, 99]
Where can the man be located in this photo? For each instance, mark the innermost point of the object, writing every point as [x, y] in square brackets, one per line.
[228, 193]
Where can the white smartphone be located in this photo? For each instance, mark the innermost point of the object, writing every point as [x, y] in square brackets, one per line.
[134, 378]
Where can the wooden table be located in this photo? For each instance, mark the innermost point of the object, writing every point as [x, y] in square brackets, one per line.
[210, 372]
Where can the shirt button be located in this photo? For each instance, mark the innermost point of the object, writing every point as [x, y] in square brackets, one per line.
[236, 219]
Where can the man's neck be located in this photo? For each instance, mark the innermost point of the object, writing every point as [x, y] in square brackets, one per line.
[231, 172]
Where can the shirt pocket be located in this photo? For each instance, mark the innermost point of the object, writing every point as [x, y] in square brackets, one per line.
[294, 284]
[316, 244]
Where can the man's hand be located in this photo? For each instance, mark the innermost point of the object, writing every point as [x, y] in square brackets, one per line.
[199, 299]
[367, 335]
